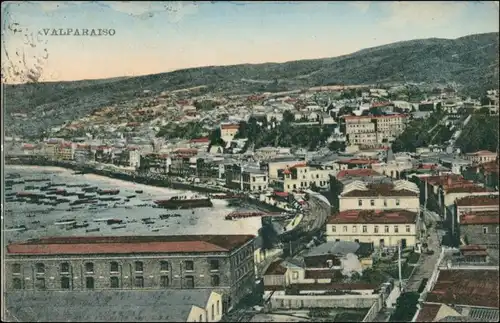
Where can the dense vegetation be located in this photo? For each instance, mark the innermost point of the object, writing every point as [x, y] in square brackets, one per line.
[481, 133]
[467, 61]
[422, 133]
[261, 133]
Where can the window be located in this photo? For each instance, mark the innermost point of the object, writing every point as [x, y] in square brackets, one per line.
[40, 283]
[345, 228]
[65, 282]
[396, 229]
[372, 202]
[40, 268]
[114, 282]
[386, 229]
[375, 229]
[407, 229]
[17, 283]
[65, 268]
[89, 267]
[189, 282]
[113, 267]
[189, 265]
[385, 202]
[214, 264]
[139, 281]
[164, 265]
[139, 266]
[218, 307]
[164, 281]
[213, 312]
[397, 202]
[360, 202]
[334, 228]
[215, 280]
[485, 230]
[365, 229]
[89, 282]
[16, 269]
[354, 228]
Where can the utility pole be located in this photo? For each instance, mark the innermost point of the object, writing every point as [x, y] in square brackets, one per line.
[399, 265]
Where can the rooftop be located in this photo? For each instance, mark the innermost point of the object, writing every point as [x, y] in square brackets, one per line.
[476, 287]
[486, 217]
[428, 312]
[275, 268]
[373, 217]
[99, 306]
[396, 188]
[478, 200]
[128, 244]
[362, 172]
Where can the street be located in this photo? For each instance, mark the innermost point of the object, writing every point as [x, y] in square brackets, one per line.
[427, 263]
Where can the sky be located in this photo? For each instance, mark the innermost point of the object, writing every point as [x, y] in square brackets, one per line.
[156, 37]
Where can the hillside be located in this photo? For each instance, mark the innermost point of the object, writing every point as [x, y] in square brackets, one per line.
[469, 61]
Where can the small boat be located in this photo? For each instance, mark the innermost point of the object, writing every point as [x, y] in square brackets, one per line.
[108, 192]
[155, 230]
[114, 221]
[93, 230]
[139, 191]
[131, 196]
[119, 227]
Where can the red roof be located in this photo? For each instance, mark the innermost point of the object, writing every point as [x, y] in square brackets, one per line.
[304, 164]
[381, 104]
[281, 194]
[230, 126]
[359, 161]
[443, 179]
[66, 145]
[200, 140]
[373, 217]
[29, 146]
[129, 245]
[486, 217]
[361, 172]
[428, 312]
[478, 200]
[477, 287]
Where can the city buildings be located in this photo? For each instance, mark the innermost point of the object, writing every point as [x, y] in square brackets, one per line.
[372, 130]
[221, 263]
[200, 305]
[383, 228]
[399, 194]
[480, 157]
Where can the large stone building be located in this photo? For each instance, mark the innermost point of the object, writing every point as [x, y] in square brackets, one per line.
[383, 228]
[223, 263]
[372, 130]
[399, 194]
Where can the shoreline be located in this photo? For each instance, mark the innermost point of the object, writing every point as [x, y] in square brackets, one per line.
[136, 179]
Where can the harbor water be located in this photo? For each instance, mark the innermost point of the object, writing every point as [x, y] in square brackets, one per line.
[134, 209]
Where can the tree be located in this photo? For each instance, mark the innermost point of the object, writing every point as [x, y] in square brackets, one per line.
[288, 117]
[406, 307]
[336, 146]
[215, 138]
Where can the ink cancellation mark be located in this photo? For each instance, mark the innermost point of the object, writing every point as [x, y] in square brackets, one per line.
[77, 32]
